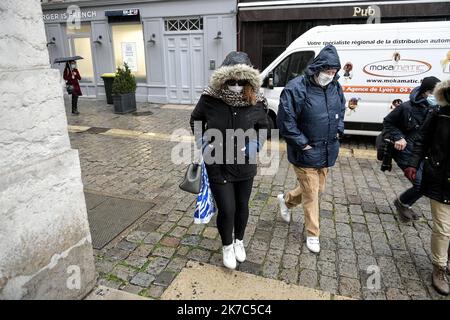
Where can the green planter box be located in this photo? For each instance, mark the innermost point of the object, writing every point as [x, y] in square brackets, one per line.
[124, 103]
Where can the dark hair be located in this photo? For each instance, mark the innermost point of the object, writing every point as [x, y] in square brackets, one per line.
[249, 94]
[428, 83]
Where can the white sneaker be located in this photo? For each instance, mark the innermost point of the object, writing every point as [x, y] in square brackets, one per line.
[313, 244]
[285, 212]
[229, 258]
[239, 250]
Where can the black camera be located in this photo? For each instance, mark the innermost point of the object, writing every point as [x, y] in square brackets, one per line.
[388, 150]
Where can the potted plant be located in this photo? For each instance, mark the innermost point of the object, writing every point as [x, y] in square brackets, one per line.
[124, 90]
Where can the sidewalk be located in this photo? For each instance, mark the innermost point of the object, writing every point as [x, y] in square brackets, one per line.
[358, 221]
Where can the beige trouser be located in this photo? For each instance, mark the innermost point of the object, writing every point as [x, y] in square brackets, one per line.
[311, 182]
[440, 236]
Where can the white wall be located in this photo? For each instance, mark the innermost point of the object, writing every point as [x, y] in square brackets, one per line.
[43, 221]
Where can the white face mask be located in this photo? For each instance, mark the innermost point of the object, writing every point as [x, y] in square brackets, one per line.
[236, 88]
[323, 79]
[73, 65]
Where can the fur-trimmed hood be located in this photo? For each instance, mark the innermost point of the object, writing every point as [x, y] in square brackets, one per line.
[442, 93]
[235, 72]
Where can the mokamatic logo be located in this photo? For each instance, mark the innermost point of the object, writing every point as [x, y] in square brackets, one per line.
[393, 69]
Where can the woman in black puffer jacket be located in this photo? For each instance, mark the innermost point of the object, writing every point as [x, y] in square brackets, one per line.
[434, 147]
[231, 104]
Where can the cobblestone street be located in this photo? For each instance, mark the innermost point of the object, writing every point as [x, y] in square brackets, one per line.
[129, 156]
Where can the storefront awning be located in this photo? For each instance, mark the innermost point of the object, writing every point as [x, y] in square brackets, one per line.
[125, 15]
[343, 9]
[122, 13]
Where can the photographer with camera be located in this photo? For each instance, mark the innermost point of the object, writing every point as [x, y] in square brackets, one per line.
[401, 128]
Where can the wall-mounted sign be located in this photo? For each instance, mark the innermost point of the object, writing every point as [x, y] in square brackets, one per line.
[89, 14]
[360, 12]
[130, 12]
[122, 13]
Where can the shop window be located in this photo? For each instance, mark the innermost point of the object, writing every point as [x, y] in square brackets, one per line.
[195, 24]
[80, 45]
[128, 44]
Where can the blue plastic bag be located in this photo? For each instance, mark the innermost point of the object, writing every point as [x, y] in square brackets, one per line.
[205, 207]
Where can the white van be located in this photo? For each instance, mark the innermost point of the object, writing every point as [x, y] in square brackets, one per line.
[380, 63]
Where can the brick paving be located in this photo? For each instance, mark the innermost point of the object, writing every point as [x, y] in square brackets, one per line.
[360, 229]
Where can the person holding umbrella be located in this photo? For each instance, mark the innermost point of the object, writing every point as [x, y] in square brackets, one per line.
[72, 76]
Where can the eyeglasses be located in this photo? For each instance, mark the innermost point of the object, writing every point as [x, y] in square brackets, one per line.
[238, 82]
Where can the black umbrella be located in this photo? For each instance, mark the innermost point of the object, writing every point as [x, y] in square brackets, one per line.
[67, 59]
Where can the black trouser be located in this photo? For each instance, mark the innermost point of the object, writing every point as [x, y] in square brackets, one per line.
[74, 102]
[232, 204]
[410, 196]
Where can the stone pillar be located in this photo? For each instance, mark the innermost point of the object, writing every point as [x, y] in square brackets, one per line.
[45, 243]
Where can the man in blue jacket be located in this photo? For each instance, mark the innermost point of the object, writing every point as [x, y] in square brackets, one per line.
[311, 119]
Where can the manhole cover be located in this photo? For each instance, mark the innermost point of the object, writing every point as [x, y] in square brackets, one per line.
[109, 216]
[142, 113]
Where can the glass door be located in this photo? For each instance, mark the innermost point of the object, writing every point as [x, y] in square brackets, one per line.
[80, 45]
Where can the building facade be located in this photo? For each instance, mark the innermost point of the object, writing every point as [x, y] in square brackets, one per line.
[267, 27]
[171, 46]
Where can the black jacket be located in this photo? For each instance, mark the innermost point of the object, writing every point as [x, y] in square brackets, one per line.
[433, 146]
[405, 122]
[216, 114]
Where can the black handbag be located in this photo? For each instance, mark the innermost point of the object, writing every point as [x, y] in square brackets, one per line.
[69, 88]
[192, 179]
